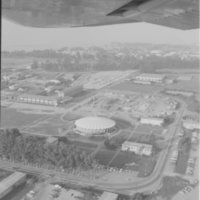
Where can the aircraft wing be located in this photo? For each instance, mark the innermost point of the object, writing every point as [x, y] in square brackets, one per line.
[180, 14]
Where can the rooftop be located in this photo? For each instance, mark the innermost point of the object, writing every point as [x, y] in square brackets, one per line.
[137, 144]
[108, 196]
[38, 97]
[95, 123]
[152, 75]
[10, 181]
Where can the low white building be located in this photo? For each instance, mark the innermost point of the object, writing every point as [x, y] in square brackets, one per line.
[150, 77]
[152, 121]
[7, 184]
[38, 99]
[191, 125]
[179, 92]
[108, 196]
[142, 82]
[138, 148]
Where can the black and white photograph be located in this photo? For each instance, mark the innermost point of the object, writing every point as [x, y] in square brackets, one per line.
[100, 100]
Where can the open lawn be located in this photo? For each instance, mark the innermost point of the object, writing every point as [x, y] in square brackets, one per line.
[146, 166]
[46, 129]
[104, 157]
[148, 129]
[192, 85]
[121, 123]
[141, 138]
[123, 159]
[128, 86]
[84, 144]
[53, 126]
[71, 117]
[10, 118]
[183, 155]
[181, 164]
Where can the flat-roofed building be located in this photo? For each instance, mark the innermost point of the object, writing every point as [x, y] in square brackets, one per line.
[6, 95]
[49, 192]
[150, 77]
[138, 148]
[7, 184]
[191, 125]
[180, 92]
[108, 196]
[143, 82]
[38, 99]
[152, 121]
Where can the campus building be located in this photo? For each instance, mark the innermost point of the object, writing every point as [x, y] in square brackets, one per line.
[108, 196]
[137, 148]
[38, 99]
[180, 92]
[7, 184]
[152, 121]
[94, 125]
[191, 125]
[157, 78]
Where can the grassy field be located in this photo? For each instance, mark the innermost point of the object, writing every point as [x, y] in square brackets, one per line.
[146, 166]
[85, 144]
[71, 117]
[46, 128]
[148, 129]
[104, 157]
[52, 126]
[10, 118]
[121, 123]
[141, 138]
[132, 87]
[124, 158]
[192, 85]
[183, 155]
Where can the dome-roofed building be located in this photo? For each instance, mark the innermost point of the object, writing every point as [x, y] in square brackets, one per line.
[94, 125]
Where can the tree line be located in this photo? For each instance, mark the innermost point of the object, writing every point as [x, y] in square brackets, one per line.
[61, 154]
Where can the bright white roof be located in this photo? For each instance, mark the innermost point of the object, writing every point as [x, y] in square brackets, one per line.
[95, 123]
[8, 182]
[108, 196]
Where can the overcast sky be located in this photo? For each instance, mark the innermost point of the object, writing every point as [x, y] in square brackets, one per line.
[19, 37]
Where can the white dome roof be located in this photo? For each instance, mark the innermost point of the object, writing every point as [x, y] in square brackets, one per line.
[94, 123]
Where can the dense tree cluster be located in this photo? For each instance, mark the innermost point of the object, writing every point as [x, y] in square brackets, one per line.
[119, 57]
[114, 142]
[111, 61]
[35, 150]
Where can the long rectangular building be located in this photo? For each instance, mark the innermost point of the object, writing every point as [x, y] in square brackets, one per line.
[108, 196]
[180, 92]
[38, 99]
[152, 121]
[150, 77]
[191, 125]
[138, 148]
[7, 184]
